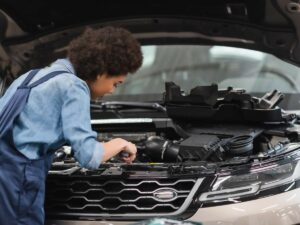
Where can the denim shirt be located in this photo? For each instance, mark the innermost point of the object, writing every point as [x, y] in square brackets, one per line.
[57, 113]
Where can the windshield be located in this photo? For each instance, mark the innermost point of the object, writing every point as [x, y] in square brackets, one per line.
[192, 65]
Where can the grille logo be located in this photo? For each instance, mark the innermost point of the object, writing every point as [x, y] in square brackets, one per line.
[165, 194]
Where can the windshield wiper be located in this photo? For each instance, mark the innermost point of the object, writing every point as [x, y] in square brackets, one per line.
[118, 105]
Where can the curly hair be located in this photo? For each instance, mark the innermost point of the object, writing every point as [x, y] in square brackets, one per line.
[109, 50]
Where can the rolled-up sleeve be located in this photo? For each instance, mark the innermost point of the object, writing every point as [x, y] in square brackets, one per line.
[77, 126]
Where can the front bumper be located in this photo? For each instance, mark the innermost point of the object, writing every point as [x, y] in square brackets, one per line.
[280, 209]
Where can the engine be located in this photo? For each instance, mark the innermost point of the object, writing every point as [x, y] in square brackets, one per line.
[210, 142]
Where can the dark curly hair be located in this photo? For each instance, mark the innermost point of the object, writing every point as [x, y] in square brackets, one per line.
[110, 50]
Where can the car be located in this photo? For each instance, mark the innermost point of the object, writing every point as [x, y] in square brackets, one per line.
[213, 110]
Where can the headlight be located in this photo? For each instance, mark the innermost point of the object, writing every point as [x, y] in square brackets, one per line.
[230, 188]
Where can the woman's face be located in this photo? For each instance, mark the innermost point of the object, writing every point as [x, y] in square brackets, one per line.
[104, 84]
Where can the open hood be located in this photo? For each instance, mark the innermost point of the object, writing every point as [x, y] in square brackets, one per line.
[271, 26]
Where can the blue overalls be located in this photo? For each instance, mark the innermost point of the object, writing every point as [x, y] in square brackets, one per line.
[22, 181]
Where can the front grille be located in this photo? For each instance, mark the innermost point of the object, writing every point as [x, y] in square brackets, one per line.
[96, 196]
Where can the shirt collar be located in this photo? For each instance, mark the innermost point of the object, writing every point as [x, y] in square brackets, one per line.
[66, 63]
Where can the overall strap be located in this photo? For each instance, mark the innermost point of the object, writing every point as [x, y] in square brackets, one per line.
[29, 77]
[17, 102]
[45, 78]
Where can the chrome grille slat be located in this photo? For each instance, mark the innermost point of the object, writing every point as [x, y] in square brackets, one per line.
[121, 206]
[119, 192]
[124, 184]
[113, 197]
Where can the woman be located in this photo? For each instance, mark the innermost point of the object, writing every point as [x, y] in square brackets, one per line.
[47, 108]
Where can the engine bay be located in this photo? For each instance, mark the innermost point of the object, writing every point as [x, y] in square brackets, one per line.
[208, 142]
[207, 125]
[166, 141]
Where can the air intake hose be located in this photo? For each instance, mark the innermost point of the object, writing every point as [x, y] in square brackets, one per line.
[161, 150]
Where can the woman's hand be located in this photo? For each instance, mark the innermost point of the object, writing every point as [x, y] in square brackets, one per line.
[128, 154]
[118, 145]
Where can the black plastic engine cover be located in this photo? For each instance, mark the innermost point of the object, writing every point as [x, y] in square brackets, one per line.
[207, 103]
[198, 147]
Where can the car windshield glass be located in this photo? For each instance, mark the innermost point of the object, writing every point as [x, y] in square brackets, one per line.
[192, 65]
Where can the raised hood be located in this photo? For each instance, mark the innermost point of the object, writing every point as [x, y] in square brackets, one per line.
[271, 26]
